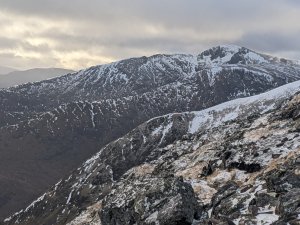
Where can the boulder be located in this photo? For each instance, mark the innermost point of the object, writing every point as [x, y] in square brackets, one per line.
[168, 201]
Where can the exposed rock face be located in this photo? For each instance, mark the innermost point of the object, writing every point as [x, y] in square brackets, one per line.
[178, 169]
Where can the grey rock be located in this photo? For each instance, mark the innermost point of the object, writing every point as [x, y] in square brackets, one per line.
[169, 201]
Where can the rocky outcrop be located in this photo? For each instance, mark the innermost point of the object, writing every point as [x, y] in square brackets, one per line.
[165, 200]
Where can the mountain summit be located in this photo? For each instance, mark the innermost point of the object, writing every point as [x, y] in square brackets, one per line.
[231, 54]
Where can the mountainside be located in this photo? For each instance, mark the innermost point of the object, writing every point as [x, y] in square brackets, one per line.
[20, 77]
[48, 128]
[224, 72]
[234, 163]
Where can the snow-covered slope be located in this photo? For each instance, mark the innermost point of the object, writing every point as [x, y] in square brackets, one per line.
[215, 116]
[238, 159]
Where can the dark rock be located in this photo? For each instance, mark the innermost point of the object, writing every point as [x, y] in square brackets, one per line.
[263, 199]
[275, 156]
[280, 180]
[226, 207]
[289, 204]
[207, 170]
[250, 168]
[166, 200]
[223, 192]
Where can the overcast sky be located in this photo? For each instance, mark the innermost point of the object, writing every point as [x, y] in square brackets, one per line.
[79, 33]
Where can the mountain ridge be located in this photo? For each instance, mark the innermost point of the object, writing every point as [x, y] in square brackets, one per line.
[113, 80]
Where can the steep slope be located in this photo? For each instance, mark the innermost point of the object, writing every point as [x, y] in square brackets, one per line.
[21, 77]
[235, 163]
[50, 127]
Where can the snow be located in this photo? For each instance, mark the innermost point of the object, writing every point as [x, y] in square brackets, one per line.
[254, 57]
[219, 114]
[230, 50]
[222, 177]
[69, 197]
[215, 70]
[231, 47]
[266, 218]
[152, 218]
[163, 129]
[92, 115]
[241, 175]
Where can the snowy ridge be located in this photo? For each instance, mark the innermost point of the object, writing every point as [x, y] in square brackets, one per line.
[214, 116]
[217, 115]
[119, 77]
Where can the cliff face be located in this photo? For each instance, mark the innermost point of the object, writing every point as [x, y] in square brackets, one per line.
[235, 163]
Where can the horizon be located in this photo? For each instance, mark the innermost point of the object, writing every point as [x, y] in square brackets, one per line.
[175, 53]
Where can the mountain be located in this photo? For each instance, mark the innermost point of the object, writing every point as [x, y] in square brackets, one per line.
[224, 71]
[234, 163]
[5, 70]
[20, 77]
[48, 128]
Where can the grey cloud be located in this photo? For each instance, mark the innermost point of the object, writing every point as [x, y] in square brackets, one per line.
[272, 41]
[8, 42]
[124, 28]
[173, 13]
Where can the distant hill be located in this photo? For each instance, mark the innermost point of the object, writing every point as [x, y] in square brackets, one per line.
[5, 70]
[32, 75]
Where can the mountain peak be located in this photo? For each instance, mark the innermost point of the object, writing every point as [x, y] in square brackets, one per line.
[230, 54]
[230, 47]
